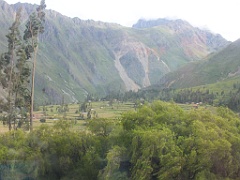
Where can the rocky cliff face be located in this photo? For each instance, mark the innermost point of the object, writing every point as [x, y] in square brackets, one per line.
[78, 57]
[136, 64]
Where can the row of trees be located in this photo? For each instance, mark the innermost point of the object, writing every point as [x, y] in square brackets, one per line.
[158, 141]
[229, 99]
[15, 71]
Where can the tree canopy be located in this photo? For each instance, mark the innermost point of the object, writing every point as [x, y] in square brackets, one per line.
[157, 141]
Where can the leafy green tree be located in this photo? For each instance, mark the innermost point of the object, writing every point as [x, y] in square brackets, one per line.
[114, 158]
[101, 126]
[83, 107]
[34, 27]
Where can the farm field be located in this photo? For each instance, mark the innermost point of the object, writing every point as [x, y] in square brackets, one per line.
[100, 109]
[78, 119]
[73, 114]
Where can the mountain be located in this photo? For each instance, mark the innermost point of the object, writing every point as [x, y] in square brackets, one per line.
[221, 66]
[79, 57]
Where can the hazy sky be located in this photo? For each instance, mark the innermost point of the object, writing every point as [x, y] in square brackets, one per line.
[219, 16]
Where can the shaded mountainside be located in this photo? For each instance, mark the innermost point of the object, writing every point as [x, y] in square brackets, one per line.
[221, 66]
[79, 57]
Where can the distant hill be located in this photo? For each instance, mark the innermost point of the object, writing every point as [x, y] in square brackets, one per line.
[79, 57]
[223, 65]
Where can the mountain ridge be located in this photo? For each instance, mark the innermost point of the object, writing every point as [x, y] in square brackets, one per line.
[78, 57]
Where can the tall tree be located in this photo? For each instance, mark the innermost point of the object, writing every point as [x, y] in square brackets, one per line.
[8, 65]
[21, 91]
[34, 27]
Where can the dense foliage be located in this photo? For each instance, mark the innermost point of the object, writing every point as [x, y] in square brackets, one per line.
[217, 97]
[157, 141]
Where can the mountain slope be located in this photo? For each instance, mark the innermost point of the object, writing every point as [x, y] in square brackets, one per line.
[79, 57]
[220, 66]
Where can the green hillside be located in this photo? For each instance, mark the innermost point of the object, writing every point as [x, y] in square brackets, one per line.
[223, 65]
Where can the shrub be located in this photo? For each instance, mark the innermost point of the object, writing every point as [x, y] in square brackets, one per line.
[43, 120]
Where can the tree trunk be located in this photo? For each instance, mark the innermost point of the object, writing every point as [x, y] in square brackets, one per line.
[10, 87]
[32, 88]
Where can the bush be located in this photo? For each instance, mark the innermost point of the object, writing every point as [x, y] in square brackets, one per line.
[43, 120]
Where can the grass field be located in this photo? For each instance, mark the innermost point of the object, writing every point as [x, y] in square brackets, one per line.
[100, 109]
